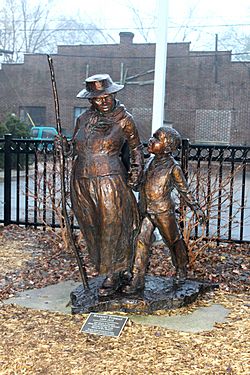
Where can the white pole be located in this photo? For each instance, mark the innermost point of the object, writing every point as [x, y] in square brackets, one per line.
[160, 66]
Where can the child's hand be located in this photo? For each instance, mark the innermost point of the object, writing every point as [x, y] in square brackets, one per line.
[200, 215]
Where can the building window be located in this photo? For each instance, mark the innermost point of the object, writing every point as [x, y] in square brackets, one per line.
[34, 116]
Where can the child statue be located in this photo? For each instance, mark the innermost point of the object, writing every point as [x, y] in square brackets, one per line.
[162, 174]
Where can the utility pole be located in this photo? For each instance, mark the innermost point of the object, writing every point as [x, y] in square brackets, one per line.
[160, 66]
[216, 59]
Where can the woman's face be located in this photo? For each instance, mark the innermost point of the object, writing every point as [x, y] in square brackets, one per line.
[104, 104]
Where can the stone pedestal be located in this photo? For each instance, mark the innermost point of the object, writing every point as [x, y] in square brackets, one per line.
[160, 293]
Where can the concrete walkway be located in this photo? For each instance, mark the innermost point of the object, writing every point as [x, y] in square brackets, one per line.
[56, 298]
[202, 319]
[53, 297]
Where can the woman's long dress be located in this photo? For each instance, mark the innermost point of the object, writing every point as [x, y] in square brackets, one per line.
[104, 205]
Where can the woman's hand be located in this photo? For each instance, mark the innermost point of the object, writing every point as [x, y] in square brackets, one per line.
[62, 144]
[134, 176]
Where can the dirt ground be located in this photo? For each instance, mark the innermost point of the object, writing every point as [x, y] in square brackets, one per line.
[43, 342]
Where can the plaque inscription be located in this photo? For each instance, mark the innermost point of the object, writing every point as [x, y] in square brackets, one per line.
[104, 325]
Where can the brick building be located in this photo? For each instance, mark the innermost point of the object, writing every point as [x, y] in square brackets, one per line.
[207, 97]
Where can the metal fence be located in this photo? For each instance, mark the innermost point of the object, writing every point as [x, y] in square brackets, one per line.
[220, 179]
[218, 175]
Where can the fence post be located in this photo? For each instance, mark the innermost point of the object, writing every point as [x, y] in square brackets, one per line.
[7, 178]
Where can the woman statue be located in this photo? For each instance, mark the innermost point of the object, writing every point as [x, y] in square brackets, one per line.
[101, 188]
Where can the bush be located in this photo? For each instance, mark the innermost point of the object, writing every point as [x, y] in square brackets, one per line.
[3, 130]
[13, 125]
[18, 129]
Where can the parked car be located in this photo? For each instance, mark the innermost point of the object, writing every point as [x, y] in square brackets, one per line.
[43, 132]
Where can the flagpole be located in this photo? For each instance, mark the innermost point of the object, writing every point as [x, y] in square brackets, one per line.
[160, 66]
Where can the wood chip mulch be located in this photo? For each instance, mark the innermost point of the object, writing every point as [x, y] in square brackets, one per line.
[44, 342]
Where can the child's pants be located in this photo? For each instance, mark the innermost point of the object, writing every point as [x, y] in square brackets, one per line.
[169, 230]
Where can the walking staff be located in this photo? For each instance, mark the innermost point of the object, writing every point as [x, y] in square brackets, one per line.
[67, 224]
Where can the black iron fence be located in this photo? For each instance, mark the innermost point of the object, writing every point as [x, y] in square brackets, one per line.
[219, 177]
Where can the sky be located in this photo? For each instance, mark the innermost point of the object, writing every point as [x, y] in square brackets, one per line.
[204, 18]
[194, 21]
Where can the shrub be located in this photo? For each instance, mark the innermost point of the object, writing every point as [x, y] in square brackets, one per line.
[18, 129]
[13, 125]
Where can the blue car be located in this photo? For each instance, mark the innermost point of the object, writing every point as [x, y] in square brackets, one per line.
[43, 133]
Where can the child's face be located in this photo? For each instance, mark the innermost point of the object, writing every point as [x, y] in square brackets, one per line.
[157, 144]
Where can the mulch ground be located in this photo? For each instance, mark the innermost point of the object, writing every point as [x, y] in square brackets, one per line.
[43, 342]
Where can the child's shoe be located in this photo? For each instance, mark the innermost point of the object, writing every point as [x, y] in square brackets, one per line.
[137, 284]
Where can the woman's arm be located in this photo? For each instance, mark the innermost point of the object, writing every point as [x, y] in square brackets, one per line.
[136, 151]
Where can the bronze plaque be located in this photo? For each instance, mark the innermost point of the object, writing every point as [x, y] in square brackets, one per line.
[104, 325]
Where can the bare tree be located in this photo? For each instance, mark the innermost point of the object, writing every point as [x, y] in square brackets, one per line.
[23, 27]
[27, 28]
[239, 43]
[142, 27]
[72, 31]
[216, 204]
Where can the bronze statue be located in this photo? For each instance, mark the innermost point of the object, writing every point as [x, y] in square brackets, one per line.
[101, 188]
[162, 173]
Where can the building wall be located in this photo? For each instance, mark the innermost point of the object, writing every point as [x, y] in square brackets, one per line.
[207, 94]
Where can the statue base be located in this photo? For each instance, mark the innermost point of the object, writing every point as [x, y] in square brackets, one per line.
[159, 293]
